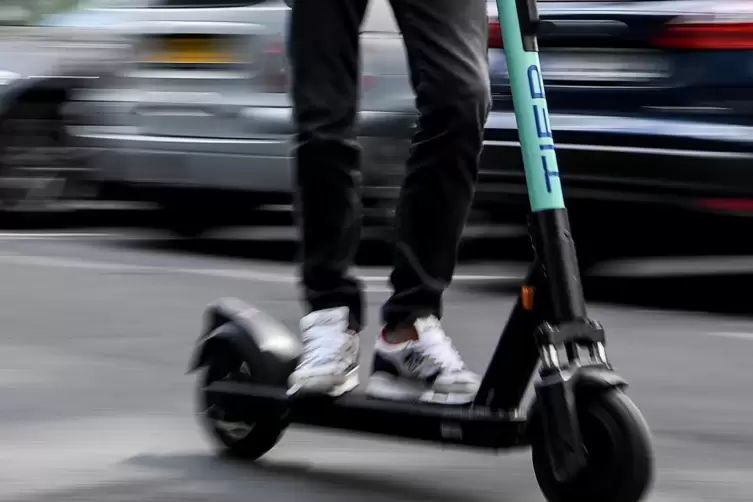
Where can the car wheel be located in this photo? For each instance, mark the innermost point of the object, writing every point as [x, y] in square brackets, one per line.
[40, 167]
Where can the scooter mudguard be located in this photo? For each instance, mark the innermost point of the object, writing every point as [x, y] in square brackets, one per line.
[573, 383]
[556, 409]
[269, 349]
[597, 378]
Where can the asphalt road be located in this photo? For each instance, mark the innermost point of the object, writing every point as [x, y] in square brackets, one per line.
[96, 405]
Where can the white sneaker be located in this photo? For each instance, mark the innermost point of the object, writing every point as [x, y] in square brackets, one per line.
[428, 369]
[329, 364]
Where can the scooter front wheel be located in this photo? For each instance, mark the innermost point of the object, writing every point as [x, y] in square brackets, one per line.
[618, 448]
[248, 441]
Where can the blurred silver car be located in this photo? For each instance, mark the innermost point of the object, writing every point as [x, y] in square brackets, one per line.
[200, 122]
[49, 51]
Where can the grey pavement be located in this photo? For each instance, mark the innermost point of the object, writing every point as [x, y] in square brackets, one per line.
[96, 406]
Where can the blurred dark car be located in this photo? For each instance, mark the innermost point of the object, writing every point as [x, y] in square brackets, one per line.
[651, 105]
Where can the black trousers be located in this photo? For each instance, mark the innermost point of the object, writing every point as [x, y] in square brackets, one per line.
[446, 43]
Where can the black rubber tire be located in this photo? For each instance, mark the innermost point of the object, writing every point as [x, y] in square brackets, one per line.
[620, 458]
[264, 435]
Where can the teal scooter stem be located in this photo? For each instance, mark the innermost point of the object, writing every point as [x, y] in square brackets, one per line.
[529, 99]
[548, 221]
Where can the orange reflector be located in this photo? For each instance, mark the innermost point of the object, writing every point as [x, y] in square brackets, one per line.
[526, 296]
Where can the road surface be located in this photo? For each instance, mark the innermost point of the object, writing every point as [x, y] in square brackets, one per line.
[96, 405]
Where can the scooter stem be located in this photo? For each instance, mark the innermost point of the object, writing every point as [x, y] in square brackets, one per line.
[549, 224]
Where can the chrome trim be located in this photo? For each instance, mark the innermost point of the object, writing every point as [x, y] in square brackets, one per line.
[549, 357]
[186, 75]
[690, 109]
[601, 352]
[634, 149]
[207, 10]
[149, 28]
[178, 140]
[632, 125]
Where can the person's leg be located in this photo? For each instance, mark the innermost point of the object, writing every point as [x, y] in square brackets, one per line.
[446, 42]
[324, 59]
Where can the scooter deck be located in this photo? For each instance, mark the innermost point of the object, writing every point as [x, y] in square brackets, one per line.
[466, 425]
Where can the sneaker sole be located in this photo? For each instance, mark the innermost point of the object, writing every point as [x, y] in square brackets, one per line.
[388, 387]
[324, 384]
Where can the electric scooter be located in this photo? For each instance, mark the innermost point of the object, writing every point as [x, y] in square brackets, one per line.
[589, 442]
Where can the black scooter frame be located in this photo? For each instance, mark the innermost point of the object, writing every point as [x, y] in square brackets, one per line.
[549, 315]
[495, 420]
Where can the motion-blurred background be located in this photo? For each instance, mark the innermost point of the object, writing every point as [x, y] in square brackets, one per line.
[145, 169]
[182, 105]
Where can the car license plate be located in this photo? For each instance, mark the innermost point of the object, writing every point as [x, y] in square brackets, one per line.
[605, 67]
[191, 51]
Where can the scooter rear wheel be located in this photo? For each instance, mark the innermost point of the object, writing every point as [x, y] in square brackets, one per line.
[248, 441]
[619, 454]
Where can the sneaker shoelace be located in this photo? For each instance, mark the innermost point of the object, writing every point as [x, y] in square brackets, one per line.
[435, 343]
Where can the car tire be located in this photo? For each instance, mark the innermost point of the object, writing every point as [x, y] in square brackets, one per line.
[40, 166]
